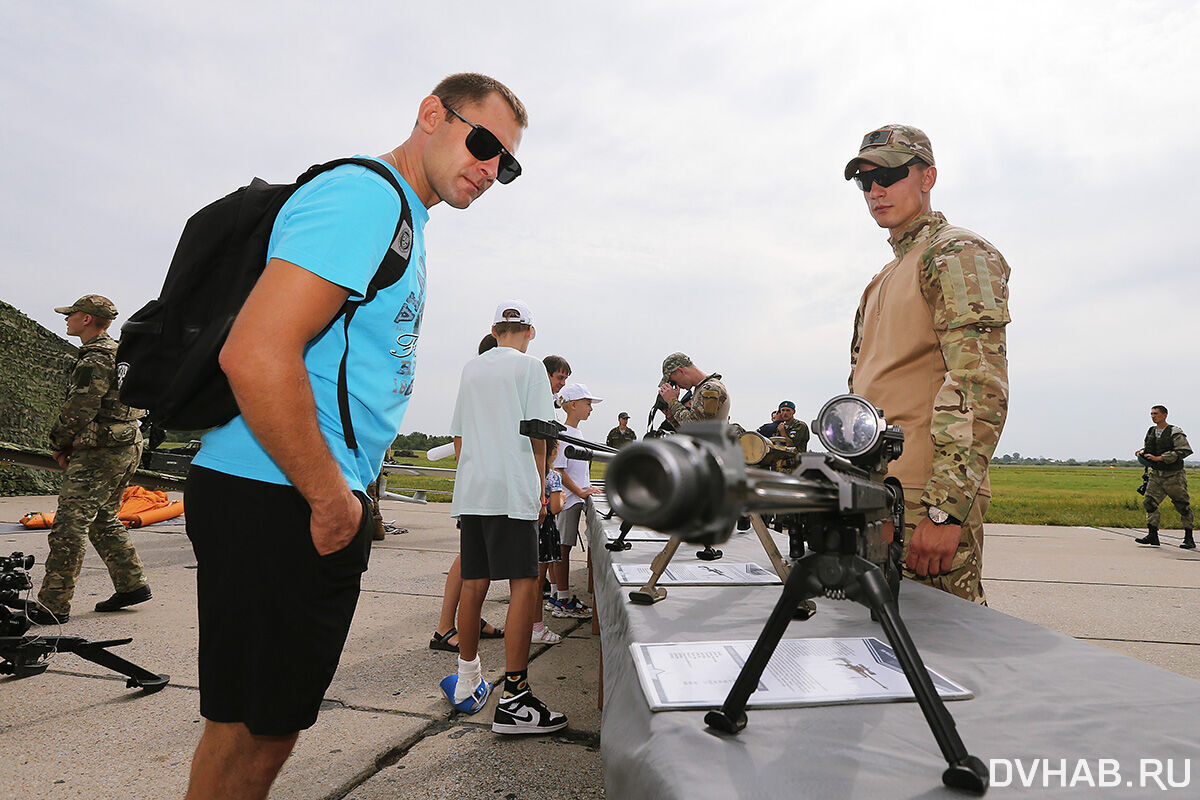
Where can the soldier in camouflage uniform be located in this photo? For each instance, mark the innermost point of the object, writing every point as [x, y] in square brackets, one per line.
[96, 439]
[1166, 448]
[929, 349]
[622, 434]
[794, 430]
[710, 398]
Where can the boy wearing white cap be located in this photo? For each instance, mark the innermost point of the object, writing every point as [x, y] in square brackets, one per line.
[498, 502]
[577, 401]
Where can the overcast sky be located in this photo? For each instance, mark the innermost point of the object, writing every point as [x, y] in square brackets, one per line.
[682, 185]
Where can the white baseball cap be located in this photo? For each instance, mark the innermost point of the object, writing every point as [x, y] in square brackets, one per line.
[577, 391]
[514, 311]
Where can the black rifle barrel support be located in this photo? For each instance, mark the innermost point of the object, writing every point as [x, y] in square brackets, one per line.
[863, 582]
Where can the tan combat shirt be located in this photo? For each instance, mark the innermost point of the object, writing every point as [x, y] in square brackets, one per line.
[929, 349]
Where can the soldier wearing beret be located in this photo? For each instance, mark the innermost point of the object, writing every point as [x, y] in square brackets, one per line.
[1165, 449]
[710, 398]
[97, 441]
[622, 434]
[929, 349]
[793, 430]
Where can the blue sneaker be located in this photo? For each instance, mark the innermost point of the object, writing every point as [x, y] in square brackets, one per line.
[572, 608]
[473, 703]
[551, 603]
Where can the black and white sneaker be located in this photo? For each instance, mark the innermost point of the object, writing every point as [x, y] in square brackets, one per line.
[524, 713]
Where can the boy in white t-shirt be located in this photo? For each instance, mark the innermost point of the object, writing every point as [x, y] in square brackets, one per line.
[577, 401]
[498, 501]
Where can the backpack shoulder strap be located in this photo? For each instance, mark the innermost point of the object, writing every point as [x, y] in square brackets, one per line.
[391, 269]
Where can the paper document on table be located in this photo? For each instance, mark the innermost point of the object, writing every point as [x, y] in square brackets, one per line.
[720, 573]
[802, 672]
[636, 535]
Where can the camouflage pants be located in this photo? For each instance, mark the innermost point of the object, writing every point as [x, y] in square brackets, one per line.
[87, 509]
[1163, 485]
[965, 576]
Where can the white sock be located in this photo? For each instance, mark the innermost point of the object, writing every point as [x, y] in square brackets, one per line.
[470, 673]
[564, 595]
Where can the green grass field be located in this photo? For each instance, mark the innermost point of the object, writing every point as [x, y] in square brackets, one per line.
[1073, 496]
[1022, 495]
[409, 483]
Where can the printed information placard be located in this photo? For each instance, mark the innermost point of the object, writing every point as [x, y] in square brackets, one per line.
[719, 573]
[637, 535]
[802, 672]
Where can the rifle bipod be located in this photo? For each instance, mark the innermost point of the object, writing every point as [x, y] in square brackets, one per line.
[23, 656]
[853, 578]
[619, 544]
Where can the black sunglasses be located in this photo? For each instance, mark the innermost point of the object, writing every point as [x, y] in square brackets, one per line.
[884, 176]
[484, 145]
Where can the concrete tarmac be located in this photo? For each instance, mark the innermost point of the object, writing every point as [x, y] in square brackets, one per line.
[387, 732]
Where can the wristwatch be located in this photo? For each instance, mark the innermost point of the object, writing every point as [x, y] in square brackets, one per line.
[939, 517]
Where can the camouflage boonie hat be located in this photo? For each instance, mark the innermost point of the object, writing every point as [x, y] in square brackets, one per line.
[674, 362]
[94, 304]
[891, 146]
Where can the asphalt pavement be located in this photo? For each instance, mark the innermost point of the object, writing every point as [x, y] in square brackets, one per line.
[387, 732]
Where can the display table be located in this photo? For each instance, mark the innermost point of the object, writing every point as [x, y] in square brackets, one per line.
[1040, 698]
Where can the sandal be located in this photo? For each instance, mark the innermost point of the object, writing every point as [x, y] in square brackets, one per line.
[441, 641]
[497, 633]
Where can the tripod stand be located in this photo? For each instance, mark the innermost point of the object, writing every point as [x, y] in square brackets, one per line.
[22, 656]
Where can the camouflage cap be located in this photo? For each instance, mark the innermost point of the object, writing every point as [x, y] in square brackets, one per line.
[674, 362]
[94, 304]
[891, 146]
[623, 415]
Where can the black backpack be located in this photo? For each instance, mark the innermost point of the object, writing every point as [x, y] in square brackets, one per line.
[168, 353]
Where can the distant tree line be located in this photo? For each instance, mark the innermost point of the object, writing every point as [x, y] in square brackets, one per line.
[418, 442]
[407, 441]
[1017, 458]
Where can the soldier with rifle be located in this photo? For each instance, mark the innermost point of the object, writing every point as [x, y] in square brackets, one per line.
[1163, 454]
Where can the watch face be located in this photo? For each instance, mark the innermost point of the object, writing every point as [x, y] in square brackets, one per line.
[937, 515]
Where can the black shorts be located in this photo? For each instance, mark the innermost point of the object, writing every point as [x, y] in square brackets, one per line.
[273, 613]
[549, 545]
[499, 548]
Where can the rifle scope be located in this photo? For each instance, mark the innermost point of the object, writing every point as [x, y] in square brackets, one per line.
[695, 486]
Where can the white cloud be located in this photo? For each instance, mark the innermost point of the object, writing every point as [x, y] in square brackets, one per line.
[682, 185]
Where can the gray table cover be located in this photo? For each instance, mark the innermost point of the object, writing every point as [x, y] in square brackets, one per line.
[1040, 697]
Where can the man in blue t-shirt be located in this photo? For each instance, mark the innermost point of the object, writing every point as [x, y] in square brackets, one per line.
[275, 498]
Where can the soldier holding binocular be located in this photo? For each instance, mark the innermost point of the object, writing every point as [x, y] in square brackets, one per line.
[710, 398]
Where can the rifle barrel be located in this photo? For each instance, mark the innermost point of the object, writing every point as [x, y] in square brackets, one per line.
[777, 492]
[691, 488]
